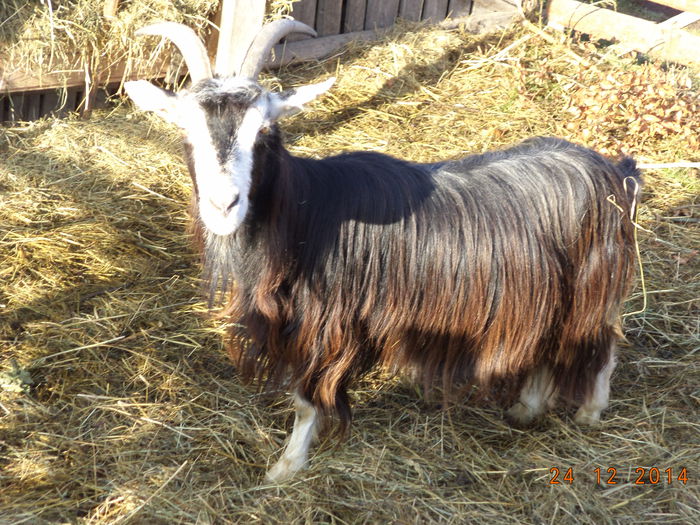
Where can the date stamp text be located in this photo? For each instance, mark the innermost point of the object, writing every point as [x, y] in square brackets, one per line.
[613, 476]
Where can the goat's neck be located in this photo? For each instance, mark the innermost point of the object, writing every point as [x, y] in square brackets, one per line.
[275, 179]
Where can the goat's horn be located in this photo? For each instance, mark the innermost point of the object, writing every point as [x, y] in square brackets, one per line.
[189, 44]
[268, 36]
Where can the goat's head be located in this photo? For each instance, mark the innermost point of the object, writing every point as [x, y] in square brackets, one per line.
[223, 115]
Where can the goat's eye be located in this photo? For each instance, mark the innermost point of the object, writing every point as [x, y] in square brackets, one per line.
[265, 130]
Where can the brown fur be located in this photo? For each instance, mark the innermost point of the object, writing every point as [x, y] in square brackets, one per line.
[473, 272]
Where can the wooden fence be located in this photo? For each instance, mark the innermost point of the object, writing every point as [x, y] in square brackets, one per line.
[25, 97]
[333, 17]
[25, 106]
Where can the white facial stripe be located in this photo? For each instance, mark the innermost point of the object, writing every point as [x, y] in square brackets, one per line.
[250, 126]
[204, 153]
[220, 184]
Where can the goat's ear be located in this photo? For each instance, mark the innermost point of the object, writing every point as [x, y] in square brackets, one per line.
[148, 97]
[293, 100]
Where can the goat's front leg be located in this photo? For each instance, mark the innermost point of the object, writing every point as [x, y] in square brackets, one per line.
[296, 452]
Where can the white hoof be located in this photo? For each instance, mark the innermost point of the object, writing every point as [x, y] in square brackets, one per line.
[284, 469]
[521, 413]
[587, 417]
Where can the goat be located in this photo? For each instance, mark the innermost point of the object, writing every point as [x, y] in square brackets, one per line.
[505, 270]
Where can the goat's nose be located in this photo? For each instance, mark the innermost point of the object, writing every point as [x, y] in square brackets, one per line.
[225, 204]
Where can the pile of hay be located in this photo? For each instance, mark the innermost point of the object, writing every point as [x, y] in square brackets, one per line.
[60, 37]
[44, 37]
[117, 403]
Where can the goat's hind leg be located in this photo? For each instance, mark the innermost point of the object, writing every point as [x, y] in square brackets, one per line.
[536, 396]
[597, 400]
[296, 452]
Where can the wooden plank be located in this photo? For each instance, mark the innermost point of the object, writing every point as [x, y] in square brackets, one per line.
[21, 107]
[76, 99]
[329, 15]
[9, 109]
[33, 105]
[20, 81]
[381, 13]
[411, 10]
[318, 48]
[17, 105]
[63, 107]
[212, 39]
[10, 113]
[100, 98]
[49, 103]
[484, 23]
[681, 5]
[305, 12]
[457, 8]
[315, 48]
[680, 21]
[354, 19]
[5, 108]
[434, 10]
[241, 20]
[665, 43]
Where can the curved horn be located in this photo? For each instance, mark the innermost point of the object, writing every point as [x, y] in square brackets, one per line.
[262, 44]
[189, 44]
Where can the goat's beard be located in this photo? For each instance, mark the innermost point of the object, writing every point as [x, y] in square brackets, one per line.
[219, 257]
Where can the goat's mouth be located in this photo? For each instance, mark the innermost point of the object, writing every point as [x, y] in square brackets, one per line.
[219, 221]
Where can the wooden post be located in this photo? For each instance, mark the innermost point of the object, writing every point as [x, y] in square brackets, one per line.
[657, 40]
[241, 20]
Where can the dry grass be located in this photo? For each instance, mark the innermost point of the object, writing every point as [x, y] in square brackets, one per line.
[135, 415]
[64, 36]
[73, 35]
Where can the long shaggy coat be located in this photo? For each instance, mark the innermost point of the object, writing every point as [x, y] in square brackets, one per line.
[472, 272]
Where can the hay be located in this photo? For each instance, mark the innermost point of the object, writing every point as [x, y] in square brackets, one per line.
[61, 37]
[44, 37]
[136, 415]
